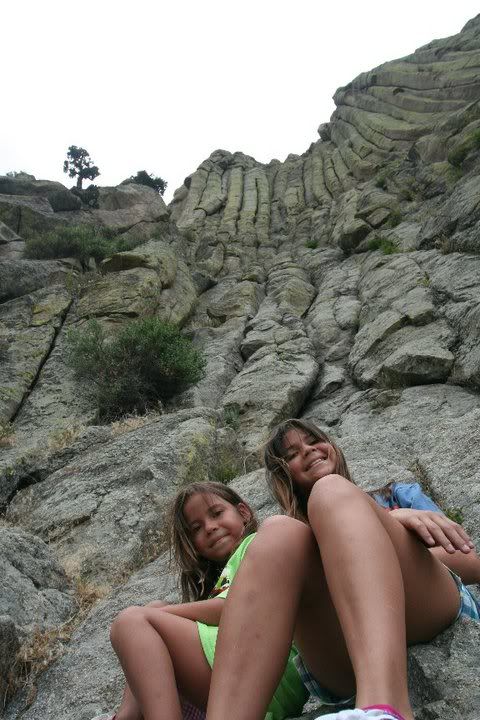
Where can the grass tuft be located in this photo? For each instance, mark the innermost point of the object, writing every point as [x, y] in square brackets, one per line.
[7, 437]
[44, 647]
[388, 247]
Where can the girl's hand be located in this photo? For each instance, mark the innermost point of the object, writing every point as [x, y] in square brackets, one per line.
[434, 529]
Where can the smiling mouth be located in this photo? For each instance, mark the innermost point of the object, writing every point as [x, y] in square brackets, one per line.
[217, 541]
[318, 461]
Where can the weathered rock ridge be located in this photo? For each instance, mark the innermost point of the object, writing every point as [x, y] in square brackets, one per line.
[341, 285]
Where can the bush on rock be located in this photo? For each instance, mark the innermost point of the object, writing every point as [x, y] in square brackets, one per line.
[146, 362]
[88, 197]
[81, 242]
[64, 201]
[144, 178]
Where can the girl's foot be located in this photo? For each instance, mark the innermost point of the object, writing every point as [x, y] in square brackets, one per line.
[374, 712]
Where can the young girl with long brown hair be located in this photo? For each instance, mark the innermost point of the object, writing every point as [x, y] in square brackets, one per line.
[167, 651]
[351, 583]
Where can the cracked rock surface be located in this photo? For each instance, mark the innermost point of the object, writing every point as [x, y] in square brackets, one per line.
[341, 285]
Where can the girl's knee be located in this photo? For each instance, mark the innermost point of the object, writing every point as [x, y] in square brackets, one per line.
[330, 493]
[279, 534]
[125, 620]
[157, 604]
[283, 526]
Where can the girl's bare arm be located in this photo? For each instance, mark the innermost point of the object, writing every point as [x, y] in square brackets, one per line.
[446, 539]
[466, 566]
[206, 611]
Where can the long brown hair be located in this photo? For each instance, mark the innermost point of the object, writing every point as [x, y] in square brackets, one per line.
[197, 574]
[278, 473]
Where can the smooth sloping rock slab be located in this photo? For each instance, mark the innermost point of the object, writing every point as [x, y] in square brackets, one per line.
[103, 510]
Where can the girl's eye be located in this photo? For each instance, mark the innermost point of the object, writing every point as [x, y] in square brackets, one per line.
[194, 530]
[216, 513]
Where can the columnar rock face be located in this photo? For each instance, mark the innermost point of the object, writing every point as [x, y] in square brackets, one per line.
[342, 285]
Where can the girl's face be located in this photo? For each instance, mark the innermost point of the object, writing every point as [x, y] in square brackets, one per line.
[308, 459]
[216, 526]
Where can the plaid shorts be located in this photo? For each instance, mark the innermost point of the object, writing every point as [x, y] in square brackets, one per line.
[316, 690]
[191, 712]
[469, 607]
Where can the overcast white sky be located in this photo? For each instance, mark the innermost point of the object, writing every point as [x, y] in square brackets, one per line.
[159, 86]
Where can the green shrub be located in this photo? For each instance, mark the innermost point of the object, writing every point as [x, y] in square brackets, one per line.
[388, 247]
[231, 416]
[146, 362]
[64, 200]
[144, 178]
[19, 173]
[81, 242]
[394, 219]
[311, 244]
[89, 196]
[381, 181]
[224, 472]
[458, 154]
[453, 174]
[123, 244]
[408, 190]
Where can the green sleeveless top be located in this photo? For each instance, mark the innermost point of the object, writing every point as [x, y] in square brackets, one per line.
[290, 694]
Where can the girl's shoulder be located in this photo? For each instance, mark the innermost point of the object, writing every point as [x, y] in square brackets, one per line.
[237, 556]
[229, 571]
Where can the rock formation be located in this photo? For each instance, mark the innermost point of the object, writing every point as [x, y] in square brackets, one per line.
[341, 285]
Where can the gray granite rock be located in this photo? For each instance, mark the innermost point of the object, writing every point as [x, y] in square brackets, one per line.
[102, 510]
[9, 647]
[35, 591]
[271, 269]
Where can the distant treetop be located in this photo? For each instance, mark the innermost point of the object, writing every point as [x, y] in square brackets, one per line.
[144, 178]
[79, 164]
[20, 174]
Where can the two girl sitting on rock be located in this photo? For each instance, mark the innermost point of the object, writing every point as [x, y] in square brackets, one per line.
[350, 584]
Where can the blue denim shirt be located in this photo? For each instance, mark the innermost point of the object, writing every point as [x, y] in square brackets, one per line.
[407, 495]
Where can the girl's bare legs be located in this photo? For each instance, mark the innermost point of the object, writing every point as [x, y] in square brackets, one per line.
[161, 655]
[377, 574]
[405, 595]
[129, 708]
[259, 621]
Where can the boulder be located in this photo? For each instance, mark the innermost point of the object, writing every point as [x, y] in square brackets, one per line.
[35, 592]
